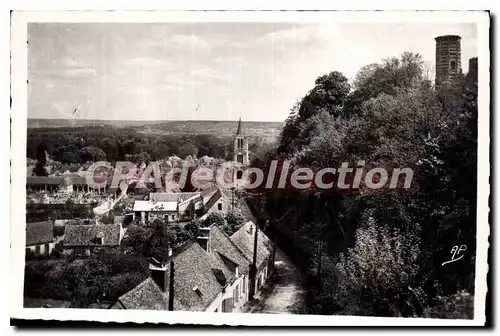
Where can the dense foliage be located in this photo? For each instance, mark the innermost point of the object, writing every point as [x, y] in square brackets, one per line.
[90, 144]
[380, 253]
[104, 277]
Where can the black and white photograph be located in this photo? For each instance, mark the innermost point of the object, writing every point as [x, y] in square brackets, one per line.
[250, 168]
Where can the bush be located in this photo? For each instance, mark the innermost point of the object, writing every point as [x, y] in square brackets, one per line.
[457, 306]
[376, 276]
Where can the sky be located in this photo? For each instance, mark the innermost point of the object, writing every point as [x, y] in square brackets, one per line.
[207, 71]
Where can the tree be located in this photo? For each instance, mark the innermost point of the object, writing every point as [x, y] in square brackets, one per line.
[233, 222]
[41, 157]
[92, 154]
[330, 92]
[161, 240]
[394, 118]
[214, 218]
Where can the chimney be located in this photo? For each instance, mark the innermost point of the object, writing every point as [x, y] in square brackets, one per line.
[204, 238]
[159, 273]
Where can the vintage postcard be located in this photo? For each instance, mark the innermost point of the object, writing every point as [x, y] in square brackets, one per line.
[250, 168]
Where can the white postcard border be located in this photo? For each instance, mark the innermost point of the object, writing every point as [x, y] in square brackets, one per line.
[19, 76]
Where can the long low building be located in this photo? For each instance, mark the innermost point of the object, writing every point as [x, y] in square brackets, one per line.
[63, 184]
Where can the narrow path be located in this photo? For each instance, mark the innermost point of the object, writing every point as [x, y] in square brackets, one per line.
[284, 293]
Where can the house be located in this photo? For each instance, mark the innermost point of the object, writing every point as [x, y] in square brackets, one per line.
[189, 203]
[224, 248]
[40, 237]
[209, 274]
[244, 239]
[82, 240]
[199, 283]
[215, 200]
[171, 207]
[146, 211]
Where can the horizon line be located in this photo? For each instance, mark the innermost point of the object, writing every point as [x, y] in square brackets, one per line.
[139, 120]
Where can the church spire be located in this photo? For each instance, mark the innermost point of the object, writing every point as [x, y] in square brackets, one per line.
[238, 131]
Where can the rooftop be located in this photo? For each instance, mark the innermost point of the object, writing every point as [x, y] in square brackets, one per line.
[155, 206]
[85, 235]
[39, 233]
[448, 37]
[194, 268]
[244, 240]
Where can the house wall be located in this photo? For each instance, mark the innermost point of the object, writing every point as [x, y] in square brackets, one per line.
[215, 208]
[216, 304]
[240, 289]
[237, 288]
[66, 189]
[149, 216]
[77, 251]
[42, 248]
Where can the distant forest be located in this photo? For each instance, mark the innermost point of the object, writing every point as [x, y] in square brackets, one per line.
[90, 143]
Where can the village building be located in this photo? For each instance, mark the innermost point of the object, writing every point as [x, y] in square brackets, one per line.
[181, 207]
[216, 201]
[190, 204]
[147, 211]
[82, 240]
[40, 237]
[244, 239]
[210, 274]
[62, 184]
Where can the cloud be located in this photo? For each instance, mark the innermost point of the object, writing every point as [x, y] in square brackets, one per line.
[305, 35]
[189, 42]
[149, 62]
[206, 74]
[79, 72]
[169, 87]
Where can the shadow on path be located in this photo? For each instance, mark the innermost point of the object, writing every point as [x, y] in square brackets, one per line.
[285, 291]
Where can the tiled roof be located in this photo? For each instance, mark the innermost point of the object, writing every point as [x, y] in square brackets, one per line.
[85, 235]
[39, 233]
[146, 295]
[244, 239]
[194, 268]
[154, 206]
[49, 180]
[172, 197]
[223, 245]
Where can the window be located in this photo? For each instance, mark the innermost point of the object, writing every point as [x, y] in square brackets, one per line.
[173, 217]
[219, 206]
[37, 249]
[453, 65]
[240, 143]
[47, 249]
[236, 293]
[244, 289]
[239, 158]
